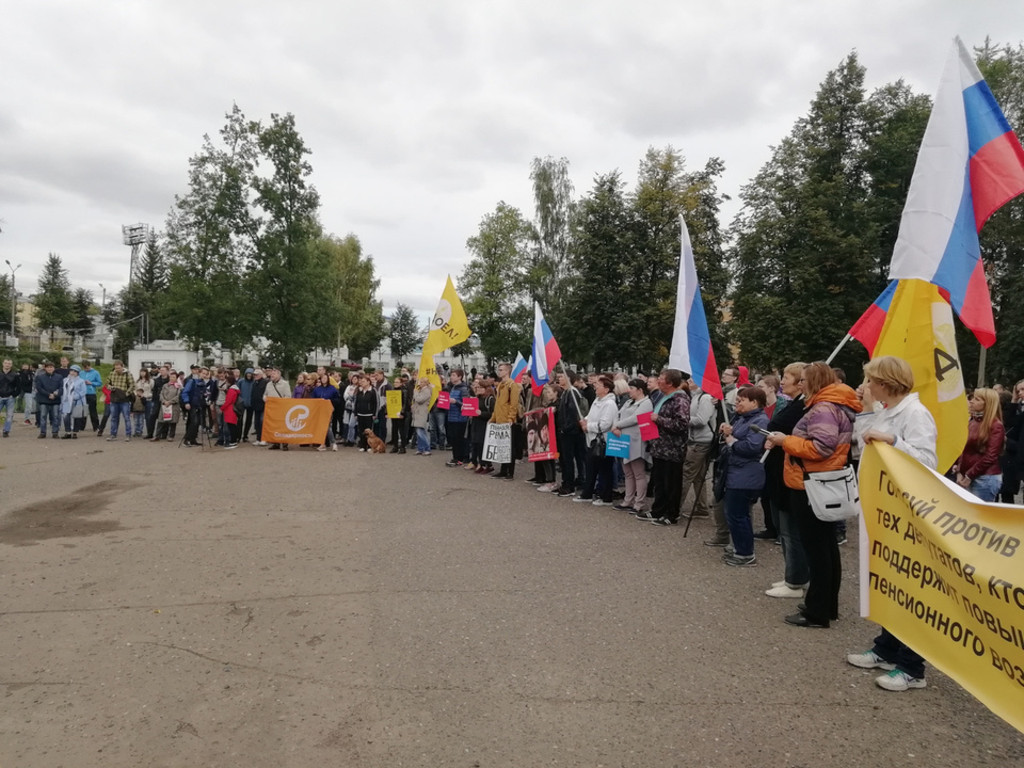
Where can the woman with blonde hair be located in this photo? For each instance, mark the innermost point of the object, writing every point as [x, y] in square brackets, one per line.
[978, 468]
[420, 410]
[820, 442]
[901, 420]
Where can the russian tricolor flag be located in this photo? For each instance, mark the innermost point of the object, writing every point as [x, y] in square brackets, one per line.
[519, 367]
[869, 327]
[545, 350]
[691, 342]
[970, 164]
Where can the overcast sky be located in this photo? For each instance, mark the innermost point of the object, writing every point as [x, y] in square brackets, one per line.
[421, 116]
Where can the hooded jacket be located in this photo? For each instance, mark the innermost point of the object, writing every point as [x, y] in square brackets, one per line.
[821, 439]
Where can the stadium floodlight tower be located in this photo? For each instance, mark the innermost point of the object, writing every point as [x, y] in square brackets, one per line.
[135, 235]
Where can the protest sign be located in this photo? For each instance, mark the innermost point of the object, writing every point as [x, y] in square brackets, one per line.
[394, 398]
[297, 422]
[944, 572]
[470, 406]
[617, 446]
[498, 444]
[443, 400]
[648, 429]
[540, 434]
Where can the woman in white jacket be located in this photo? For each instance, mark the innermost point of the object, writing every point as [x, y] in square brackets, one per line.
[600, 420]
[633, 466]
[908, 426]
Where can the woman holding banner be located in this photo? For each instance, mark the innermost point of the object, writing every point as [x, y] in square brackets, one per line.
[633, 466]
[978, 468]
[908, 426]
[820, 442]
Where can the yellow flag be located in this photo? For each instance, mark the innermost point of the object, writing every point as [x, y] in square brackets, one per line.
[448, 327]
[919, 328]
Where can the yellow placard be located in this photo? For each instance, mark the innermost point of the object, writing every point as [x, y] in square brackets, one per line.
[394, 398]
[944, 572]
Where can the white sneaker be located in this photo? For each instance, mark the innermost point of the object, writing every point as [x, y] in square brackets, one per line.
[546, 488]
[899, 681]
[601, 503]
[784, 591]
[778, 584]
[869, 660]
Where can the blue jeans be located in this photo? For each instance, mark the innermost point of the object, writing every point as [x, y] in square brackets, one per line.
[51, 411]
[140, 422]
[738, 502]
[117, 412]
[437, 432]
[986, 487]
[422, 441]
[7, 404]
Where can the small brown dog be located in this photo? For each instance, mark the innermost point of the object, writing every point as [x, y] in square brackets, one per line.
[376, 444]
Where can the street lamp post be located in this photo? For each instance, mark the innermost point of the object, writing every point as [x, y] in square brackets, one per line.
[14, 294]
[103, 301]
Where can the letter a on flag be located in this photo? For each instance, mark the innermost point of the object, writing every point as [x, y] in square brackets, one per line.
[970, 164]
[919, 328]
[691, 341]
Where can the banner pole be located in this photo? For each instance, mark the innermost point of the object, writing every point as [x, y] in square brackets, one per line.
[836, 351]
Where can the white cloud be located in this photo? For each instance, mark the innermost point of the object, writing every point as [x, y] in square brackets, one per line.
[421, 116]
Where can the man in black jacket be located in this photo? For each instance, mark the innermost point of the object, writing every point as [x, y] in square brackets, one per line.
[10, 388]
[49, 388]
[259, 387]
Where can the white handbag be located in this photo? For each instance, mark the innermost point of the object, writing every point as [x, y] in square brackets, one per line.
[833, 495]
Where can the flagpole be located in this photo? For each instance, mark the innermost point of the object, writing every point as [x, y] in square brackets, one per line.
[981, 366]
[835, 351]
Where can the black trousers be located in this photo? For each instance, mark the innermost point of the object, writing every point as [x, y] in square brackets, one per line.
[826, 569]
[398, 436]
[601, 467]
[456, 432]
[572, 448]
[667, 483]
[94, 418]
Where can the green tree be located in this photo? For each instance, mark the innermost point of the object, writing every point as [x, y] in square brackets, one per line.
[6, 298]
[290, 278]
[209, 239]
[360, 317]
[494, 284]
[54, 308]
[82, 307]
[404, 331]
[553, 207]
[804, 264]
[603, 302]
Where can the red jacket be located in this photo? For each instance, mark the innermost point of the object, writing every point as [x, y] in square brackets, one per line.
[228, 409]
[975, 461]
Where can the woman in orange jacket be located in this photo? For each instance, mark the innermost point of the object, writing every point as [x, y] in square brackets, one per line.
[820, 442]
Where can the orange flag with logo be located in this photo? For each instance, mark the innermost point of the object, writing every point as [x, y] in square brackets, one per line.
[300, 422]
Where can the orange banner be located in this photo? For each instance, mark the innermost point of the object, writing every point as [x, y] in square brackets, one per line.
[301, 422]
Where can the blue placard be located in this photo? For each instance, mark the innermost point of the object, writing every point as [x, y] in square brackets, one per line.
[617, 446]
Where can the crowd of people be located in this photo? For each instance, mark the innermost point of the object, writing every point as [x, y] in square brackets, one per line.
[754, 446]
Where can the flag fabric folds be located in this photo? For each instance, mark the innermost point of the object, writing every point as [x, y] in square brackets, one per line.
[519, 367]
[546, 353]
[448, 327]
[869, 327]
[970, 163]
[919, 329]
[691, 341]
